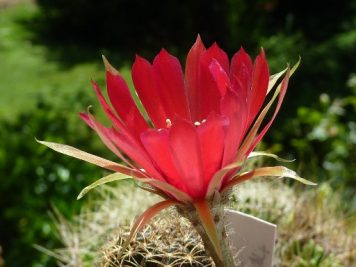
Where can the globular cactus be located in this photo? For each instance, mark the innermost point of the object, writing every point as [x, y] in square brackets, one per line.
[169, 240]
[95, 236]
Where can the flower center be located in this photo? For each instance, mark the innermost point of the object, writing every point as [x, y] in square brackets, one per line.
[169, 123]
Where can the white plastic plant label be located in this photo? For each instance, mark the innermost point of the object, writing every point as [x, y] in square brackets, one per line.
[252, 239]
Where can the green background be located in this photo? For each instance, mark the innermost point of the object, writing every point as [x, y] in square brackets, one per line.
[50, 49]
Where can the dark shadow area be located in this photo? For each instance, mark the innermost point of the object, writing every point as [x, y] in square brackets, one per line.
[79, 31]
[73, 30]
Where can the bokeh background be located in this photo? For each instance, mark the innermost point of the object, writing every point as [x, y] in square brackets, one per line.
[50, 49]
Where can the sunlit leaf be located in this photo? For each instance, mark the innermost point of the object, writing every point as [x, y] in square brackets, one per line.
[82, 155]
[274, 78]
[217, 179]
[251, 136]
[277, 171]
[296, 66]
[109, 67]
[167, 188]
[250, 140]
[107, 179]
[266, 154]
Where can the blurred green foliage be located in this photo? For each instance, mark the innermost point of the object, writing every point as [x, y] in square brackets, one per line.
[53, 48]
[310, 254]
[34, 178]
[324, 138]
[26, 71]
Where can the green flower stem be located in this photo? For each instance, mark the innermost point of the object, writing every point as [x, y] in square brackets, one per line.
[227, 259]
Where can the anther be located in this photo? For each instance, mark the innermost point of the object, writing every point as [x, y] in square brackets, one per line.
[168, 123]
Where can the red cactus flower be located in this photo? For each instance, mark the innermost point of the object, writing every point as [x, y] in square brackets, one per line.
[201, 126]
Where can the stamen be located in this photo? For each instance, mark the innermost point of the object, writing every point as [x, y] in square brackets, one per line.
[197, 123]
[168, 123]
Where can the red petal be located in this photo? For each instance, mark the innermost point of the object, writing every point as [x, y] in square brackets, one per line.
[241, 69]
[156, 142]
[192, 78]
[123, 103]
[185, 150]
[251, 140]
[136, 153]
[233, 107]
[171, 92]
[212, 138]
[123, 139]
[131, 135]
[146, 87]
[209, 88]
[86, 119]
[208, 92]
[259, 86]
[104, 134]
[107, 109]
[221, 79]
[215, 52]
